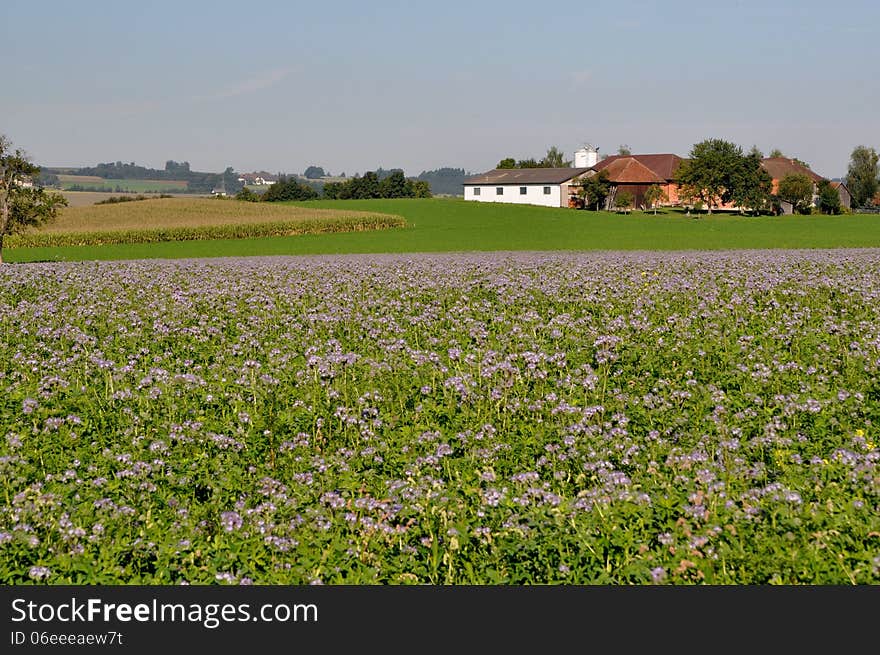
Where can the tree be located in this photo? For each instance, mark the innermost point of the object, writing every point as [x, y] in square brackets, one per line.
[420, 188]
[776, 153]
[797, 189]
[555, 159]
[288, 189]
[22, 205]
[314, 172]
[756, 151]
[395, 186]
[624, 150]
[507, 162]
[247, 195]
[624, 201]
[653, 195]
[711, 172]
[862, 176]
[595, 189]
[829, 198]
[752, 184]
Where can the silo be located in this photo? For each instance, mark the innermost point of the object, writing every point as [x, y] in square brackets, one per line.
[586, 157]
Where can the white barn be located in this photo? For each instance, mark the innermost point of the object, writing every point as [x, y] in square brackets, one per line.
[524, 186]
[550, 187]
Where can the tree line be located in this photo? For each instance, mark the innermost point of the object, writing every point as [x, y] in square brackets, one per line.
[196, 181]
[392, 184]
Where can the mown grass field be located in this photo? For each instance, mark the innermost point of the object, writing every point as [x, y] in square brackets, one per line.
[450, 225]
[131, 186]
[176, 219]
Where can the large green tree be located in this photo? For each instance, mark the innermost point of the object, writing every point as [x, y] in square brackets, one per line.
[595, 189]
[797, 189]
[654, 194]
[829, 198]
[22, 204]
[751, 183]
[862, 176]
[711, 171]
[555, 159]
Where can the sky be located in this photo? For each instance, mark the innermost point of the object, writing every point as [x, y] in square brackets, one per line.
[352, 86]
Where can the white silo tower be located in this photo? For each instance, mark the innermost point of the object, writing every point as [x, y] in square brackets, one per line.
[586, 157]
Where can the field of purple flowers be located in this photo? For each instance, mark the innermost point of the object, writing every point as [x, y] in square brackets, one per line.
[488, 418]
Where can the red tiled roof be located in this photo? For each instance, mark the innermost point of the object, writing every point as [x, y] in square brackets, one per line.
[663, 166]
[629, 169]
[779, 167]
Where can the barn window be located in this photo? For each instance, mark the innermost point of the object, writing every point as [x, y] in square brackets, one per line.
[522, 190]
[546, 191]
[499, 191]
[476, 191]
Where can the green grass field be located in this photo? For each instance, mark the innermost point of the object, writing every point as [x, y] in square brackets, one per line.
[128, 186]
[447, 225]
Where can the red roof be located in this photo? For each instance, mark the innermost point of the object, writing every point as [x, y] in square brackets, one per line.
[629, 169]
[661, 167]
[779, 167]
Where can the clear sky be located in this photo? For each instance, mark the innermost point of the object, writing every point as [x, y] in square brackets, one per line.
[351, 86]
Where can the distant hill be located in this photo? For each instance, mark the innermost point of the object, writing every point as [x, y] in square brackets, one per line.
[445, 181]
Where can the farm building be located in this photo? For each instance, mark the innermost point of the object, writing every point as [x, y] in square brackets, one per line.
[550, 187]
[843, 192]
[635, 173]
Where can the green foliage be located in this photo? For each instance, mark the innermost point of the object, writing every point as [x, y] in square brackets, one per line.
[444, 181]
[247, 195]
[623, 200]
[288, 189]
[22, 205]
[752, 184]
[797, 189]
[555, 159]
[314, 172]
[391, 184]
[775, 153]
[395, 186]
[624, 150]
[829, 198]
[655, 195]
[552, 159]
[115, 200]
[595, 189]
[862, 175]
[711, 172]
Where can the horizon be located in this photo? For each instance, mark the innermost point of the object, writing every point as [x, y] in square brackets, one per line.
[420, 87]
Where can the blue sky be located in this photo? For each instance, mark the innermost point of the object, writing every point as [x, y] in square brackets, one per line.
[351, 86]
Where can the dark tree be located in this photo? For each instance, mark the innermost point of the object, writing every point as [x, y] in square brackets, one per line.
[555, 159]
[395, 186]
[862, 176]
[829, 198]
[797, 189]
[22, 204]
[711, 171]
[314, 172]
[595, 189]
[507, 162]
[752, 184]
